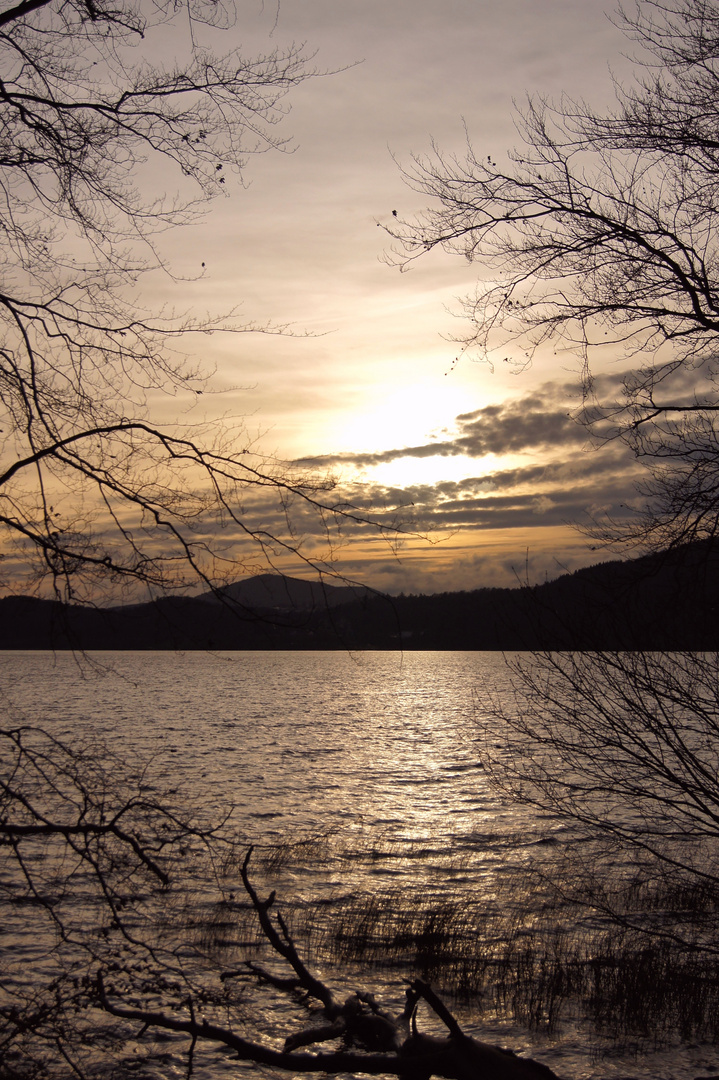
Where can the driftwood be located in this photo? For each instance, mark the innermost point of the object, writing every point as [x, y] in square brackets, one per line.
[373, 1041]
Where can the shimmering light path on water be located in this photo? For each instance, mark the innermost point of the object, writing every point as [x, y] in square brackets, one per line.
[297, 742]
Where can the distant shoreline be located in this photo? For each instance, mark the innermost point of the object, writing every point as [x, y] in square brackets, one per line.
[667, 601]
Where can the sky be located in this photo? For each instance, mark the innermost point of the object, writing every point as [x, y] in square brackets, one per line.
[483, 466]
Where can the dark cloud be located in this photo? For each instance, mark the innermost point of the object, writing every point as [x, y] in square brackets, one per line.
[529, 423]
[457, 534]
[563, 481]
[611, 466]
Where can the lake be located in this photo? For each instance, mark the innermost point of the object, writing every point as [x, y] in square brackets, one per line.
[376, 754]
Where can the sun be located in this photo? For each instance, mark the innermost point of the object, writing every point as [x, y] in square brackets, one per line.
[401, 416]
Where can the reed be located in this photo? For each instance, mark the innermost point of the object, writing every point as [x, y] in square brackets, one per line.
[540, 951]
[535, 967]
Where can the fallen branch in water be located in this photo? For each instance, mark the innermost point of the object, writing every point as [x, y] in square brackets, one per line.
[374, 1041]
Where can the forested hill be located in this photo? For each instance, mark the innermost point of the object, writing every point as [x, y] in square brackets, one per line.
[667, 601]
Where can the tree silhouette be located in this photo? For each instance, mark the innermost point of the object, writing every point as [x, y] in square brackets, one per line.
[96, 497]
[600, 236]
[624, 745]
[95, 494]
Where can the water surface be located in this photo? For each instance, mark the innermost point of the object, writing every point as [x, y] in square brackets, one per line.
[367, 749]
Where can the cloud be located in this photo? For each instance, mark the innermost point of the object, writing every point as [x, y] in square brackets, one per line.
[456, 533]
[539, 421]
[453, 534]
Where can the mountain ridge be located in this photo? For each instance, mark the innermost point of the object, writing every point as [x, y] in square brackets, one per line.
[277, 592]
[665, 601]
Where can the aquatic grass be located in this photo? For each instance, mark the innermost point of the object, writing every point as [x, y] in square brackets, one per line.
[541, 950]
[358, 846]
[377, 928]
[471, 951]
[536, 965]
[313, 849]
[652, 991]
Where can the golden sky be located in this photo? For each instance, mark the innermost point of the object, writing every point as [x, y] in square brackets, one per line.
[484, 465]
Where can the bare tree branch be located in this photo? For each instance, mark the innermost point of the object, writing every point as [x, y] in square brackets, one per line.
[599, 234]
[96, 497]
[360, 1023]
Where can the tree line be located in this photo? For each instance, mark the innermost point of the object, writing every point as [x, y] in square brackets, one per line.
[667, 601]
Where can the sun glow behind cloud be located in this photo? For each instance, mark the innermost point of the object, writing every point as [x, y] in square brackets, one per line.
[406, 415]
[510, 475]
